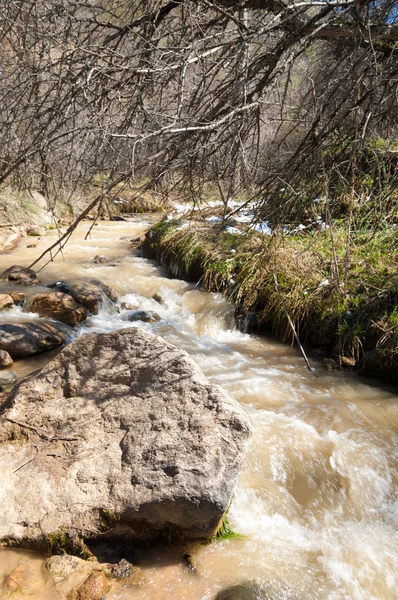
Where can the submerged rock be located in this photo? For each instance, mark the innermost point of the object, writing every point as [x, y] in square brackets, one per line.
[99, 259]
[58, 306]
[16, 580]
[152, 447]
[19, 274]
[32, 337]
[252, 590]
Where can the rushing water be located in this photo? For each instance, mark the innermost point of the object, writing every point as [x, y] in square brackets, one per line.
[316, 500]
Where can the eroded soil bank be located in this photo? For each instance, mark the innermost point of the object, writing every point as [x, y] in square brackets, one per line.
[316, 500]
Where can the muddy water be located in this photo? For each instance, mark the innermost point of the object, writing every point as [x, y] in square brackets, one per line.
[316, 502]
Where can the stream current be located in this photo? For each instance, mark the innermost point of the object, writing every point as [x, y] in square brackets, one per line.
[316, 502]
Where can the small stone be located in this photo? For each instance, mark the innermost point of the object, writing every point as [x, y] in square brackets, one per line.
[62, 565]
[330, 364]
[99, 259]
[6, 301]
[36, 231]
[93, 588]
[5, 360]
[121, 570]
[31, 245]
[158, 298]
[7, 378]
[189, 561]
[16, 580]
[147, 316]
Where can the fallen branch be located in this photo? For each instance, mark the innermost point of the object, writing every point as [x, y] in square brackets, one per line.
[296, 337]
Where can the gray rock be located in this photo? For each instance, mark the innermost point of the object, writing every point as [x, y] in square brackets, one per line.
[62, 565]
[32, 337]
[122, 569]
[22, 275]
[5, 360]
[6, 301]
[58, 306]
[152, 447]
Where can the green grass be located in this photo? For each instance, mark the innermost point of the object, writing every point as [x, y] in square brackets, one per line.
[225, 532]
[343, 300]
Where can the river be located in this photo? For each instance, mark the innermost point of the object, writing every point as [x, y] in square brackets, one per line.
[316, 501]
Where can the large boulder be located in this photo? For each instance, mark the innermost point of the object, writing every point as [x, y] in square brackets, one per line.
[123, 435]
[19, 274]
[58, 306]
[32, 337]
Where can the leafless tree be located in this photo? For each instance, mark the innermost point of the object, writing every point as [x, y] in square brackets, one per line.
[252, 94]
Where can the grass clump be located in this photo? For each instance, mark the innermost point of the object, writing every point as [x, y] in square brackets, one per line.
[225, 531]
[339, 287]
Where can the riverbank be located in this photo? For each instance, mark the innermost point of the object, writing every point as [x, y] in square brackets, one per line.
[30, 212]
[344, 302]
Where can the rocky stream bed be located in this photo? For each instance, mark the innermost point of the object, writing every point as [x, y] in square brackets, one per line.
[121, 453]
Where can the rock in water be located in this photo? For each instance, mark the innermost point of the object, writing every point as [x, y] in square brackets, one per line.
[90, 294]
[33, 337]
[35, 231]
[93, 588]
[147, 316]
[19, 274]
[58, 306]
[6, 301]
[16, 580]
[134, 441]
[5, 360]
